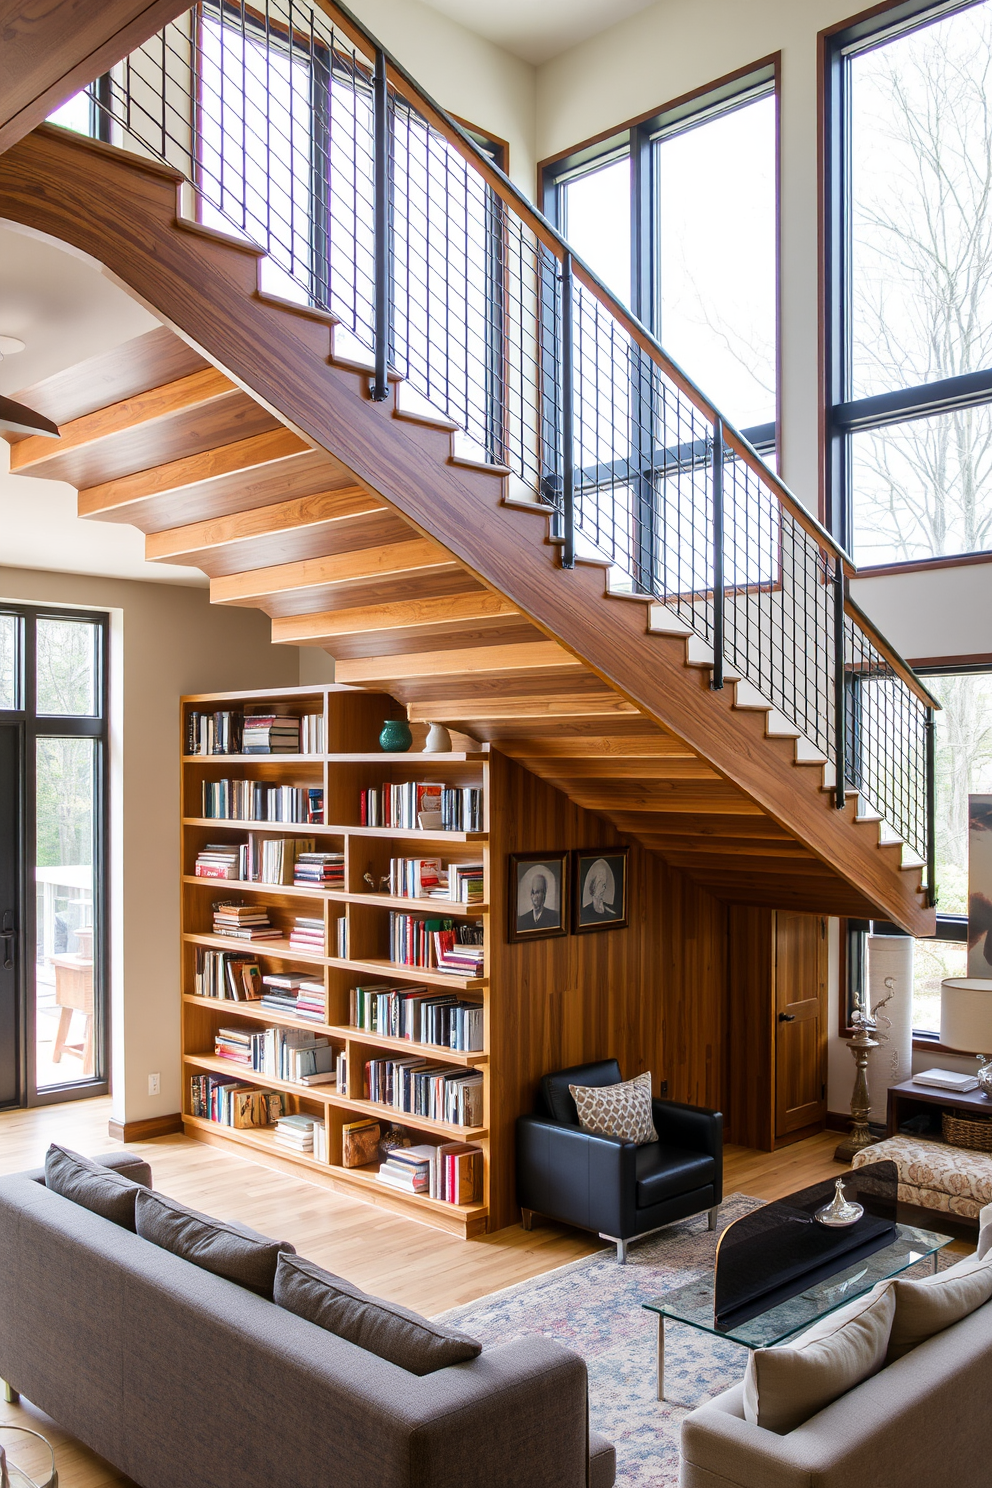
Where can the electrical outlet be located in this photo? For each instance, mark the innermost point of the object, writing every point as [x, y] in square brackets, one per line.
[663, 1090]
[154, 1084]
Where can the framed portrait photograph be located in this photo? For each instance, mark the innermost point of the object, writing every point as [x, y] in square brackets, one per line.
[537, 896]
[599, 888]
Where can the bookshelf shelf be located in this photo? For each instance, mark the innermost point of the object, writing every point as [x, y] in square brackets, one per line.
[325, 1096]
[436, 907]
[308, 829]
[360, 919]
[227, 1008]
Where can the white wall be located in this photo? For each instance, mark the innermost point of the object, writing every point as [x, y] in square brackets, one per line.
[464, 73]
[167, 640]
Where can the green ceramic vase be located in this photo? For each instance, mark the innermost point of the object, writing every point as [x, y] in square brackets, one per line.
[396, 737]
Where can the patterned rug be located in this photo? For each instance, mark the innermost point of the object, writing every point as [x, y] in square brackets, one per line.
[594, 1307]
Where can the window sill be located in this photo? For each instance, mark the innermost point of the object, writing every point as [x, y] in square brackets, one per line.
[920, 565]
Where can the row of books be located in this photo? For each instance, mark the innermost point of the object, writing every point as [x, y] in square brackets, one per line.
[225, 1099]
[292, 1054]
[231, 731]
[275, 860]
[417, 1013]
[302, 1133]
[254, 800]
[436, 945]
[299, 996]
[429, 878]
[423, 805]
[434, 1091]
[243, 921]
[226, 975]
[451, 1172]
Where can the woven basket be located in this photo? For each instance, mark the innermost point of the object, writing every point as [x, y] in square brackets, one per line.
[961, 1131]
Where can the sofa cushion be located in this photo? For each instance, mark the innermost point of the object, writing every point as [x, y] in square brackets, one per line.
[784, 1386]
[558, 1097]
[104, 1191]
[414, 1343]
[933, 1303]
[665, 1172]
[229, 1250]
[622, 1110]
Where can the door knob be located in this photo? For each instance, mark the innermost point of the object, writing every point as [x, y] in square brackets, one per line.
[787, 1017]
[7, 938]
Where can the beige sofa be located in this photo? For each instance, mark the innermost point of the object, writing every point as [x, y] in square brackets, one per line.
[922, 1422]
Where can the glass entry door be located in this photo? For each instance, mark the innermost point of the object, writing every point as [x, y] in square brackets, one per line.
[53, 1046]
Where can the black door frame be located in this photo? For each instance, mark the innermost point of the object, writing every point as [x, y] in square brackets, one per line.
[31, 728]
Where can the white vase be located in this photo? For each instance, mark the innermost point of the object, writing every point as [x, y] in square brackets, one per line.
[438, 740]
[890, 971]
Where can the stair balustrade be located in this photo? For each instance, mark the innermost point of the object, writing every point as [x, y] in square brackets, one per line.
[294, 129]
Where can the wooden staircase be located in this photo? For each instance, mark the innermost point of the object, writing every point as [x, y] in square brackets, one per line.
[241, 444]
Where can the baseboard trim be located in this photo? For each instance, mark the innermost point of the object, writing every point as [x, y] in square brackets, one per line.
[144, 1131]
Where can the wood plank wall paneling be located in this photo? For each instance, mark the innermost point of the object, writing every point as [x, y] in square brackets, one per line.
[653, 995]
[750, 1031]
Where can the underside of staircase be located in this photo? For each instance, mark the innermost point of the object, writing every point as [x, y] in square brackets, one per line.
[240, 443]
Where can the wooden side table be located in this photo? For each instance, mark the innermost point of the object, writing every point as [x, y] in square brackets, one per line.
[910, 1099]
[74, 993]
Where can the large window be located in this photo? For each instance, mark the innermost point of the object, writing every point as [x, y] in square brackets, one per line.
[677, 216]
[962, 767]
[53, 796]
[910, 280]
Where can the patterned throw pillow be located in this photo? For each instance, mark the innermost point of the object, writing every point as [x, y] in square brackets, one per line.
[622, 1110]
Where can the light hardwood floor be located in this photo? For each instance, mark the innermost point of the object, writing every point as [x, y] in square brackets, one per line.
[384, 1253]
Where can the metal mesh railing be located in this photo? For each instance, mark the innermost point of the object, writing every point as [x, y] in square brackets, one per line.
[292, 128]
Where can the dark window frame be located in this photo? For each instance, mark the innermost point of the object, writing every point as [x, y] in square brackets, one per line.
[842, 415]
[950, 927]
[46, 726]
[635, 138]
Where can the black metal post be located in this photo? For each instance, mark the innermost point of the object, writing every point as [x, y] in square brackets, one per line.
[567, 417]
[380, 98]
[930, 733]
[716, 681]
[840, 686]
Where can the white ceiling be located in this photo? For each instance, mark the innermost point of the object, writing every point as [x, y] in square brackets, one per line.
[60, 304]
[537, 30]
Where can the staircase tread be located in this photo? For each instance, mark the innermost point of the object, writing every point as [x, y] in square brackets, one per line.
[216, 235]
[308, 312]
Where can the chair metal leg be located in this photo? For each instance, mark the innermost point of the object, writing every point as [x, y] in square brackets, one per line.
[711, 1215]
[10, 1395]
[526, 1219]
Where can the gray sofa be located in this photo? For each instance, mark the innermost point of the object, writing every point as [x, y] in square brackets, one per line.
[922, 1422]
[182, 1379]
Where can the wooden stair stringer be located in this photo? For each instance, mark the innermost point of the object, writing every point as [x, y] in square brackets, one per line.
[122, 213]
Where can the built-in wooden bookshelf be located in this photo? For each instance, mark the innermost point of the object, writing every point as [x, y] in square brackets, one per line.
[352, 763]
[653, 994]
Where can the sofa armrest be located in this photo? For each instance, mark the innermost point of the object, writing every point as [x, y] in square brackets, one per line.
[129, 1163]
[573, 1176]
[984, 1231]
[719, 1447]
[689, 1126]
[518, 1414]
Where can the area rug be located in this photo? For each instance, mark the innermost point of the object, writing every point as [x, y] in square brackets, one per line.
[594, 1307]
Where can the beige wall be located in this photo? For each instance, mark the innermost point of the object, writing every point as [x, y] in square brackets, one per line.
[464, 73]
[166, 641]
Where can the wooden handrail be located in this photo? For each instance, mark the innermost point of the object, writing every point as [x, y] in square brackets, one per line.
[900, 667]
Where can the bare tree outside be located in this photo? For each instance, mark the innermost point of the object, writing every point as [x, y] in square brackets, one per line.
[921, 282]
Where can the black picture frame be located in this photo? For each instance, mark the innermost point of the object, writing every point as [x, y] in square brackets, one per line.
[600, 875]
[547, 912]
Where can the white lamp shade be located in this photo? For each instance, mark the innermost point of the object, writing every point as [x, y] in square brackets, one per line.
[966, 1014]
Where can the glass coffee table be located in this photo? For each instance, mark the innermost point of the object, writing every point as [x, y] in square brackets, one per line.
[775, 1276]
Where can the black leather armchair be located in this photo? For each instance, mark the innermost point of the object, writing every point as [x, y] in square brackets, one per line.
[617, 1188]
